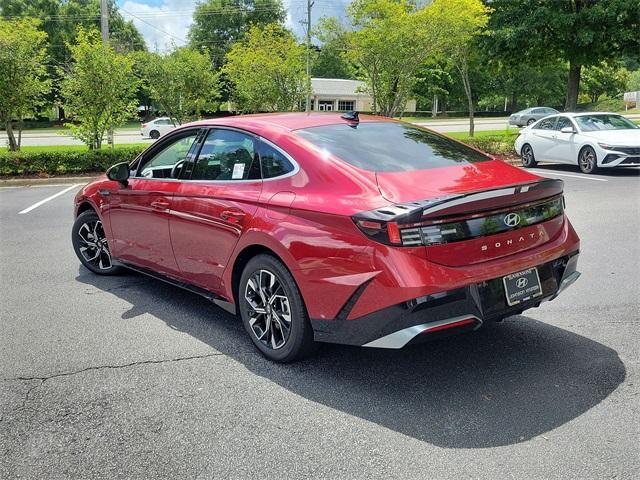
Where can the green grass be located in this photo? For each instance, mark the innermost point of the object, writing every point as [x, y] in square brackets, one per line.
[513, 133]
[126, 125]
[76, 148]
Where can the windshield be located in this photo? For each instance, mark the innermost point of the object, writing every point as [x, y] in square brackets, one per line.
[390, 146]
[593, 123]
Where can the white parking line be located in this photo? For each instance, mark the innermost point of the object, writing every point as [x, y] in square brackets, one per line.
[584, 177]
[42, 202]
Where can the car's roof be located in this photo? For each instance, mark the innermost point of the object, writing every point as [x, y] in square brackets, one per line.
[582, 114]
[286, 121]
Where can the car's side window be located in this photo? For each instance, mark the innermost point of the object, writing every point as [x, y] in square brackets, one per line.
[167, 162]
[227, 155]
[274, 163]
[563, 122]
[537, 110]
[546, 124]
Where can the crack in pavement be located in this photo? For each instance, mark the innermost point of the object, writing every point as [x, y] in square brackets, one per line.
[103, 367]
[41, 380]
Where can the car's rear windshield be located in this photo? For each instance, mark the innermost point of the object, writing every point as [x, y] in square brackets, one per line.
[593, 123]
[390, 146]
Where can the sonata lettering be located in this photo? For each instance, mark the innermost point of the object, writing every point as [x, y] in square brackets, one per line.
[510, 241]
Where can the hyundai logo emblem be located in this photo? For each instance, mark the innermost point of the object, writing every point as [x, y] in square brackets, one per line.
[512, 220]
[522, 282]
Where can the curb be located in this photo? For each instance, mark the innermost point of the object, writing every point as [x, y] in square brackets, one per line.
[42, 182]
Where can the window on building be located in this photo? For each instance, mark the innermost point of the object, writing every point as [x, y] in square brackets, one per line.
[346, 105]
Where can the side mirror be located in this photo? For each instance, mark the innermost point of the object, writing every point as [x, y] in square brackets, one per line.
[567, 130]
[119, 173]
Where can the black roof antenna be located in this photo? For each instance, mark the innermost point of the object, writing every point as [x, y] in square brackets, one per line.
[351, 116]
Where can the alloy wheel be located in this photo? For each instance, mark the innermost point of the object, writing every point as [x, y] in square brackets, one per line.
[269, 309]
[93, 245]
[587, 160]
[527, 156]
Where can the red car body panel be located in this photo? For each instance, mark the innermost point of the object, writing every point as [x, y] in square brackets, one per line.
[195, 231]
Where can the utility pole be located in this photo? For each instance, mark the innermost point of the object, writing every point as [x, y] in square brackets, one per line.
[308, 104]
[104, 29]
[104, 22]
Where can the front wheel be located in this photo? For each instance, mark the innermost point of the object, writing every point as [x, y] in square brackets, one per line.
[273, 312]
[90, 244]
[587, 160]
[527, 157]
[530, 122]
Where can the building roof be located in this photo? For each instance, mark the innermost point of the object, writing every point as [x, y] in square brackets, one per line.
[336, 86]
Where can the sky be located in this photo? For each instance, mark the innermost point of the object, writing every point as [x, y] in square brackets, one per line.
[164, 23]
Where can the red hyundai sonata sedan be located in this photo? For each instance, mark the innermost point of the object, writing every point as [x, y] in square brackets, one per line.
[329, 228]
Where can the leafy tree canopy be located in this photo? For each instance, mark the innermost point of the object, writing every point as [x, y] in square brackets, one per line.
[267, 70]
[580, 32]
[217, 24]
[98, 88]
[23, 79]
[182, 83]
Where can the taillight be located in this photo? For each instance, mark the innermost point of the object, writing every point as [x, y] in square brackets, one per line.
[404, 226]
[380, 231]
[144, 125]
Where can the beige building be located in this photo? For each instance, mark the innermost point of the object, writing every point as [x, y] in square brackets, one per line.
[337, 94]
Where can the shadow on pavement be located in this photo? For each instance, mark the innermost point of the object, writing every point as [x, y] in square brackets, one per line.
[604, 172]
[501, 385]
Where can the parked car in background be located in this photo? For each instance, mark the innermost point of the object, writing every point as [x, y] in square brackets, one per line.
[327, 228]
[589, 140]
[530, 115]
[157, 127]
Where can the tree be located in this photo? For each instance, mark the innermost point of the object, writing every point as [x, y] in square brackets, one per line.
[98, 89]
[23, 79]
[182, 82]
[459, 23]
[389, 41]
[580, 32]
[329, 60]
[61, 19]
[218, 24]
[267, 71]
[605, 78]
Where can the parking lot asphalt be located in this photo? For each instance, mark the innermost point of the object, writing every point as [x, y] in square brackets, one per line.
[127, 377]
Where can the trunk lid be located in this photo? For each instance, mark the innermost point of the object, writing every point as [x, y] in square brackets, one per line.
[470, 214]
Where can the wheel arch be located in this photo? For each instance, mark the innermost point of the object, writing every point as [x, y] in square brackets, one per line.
[242, 258]
[84, 206]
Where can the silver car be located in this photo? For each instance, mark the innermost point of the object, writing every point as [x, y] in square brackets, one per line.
[530, 115]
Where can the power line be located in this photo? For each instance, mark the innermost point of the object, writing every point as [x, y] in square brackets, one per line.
[156, 28]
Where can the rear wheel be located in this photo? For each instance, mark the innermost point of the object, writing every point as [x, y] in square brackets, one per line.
[273, 312]
[90, 244]
[527, 156]
[155, 134]
[587, 160]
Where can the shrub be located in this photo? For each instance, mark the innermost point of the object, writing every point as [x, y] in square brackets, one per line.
[62, 162]
[495, 145]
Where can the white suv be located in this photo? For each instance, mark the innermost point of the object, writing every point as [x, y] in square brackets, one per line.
[157, 127]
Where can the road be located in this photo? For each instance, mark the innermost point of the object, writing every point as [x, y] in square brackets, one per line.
[127, 377]
[121, 136]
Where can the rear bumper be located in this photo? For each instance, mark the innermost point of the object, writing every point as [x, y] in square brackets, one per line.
[458, 310]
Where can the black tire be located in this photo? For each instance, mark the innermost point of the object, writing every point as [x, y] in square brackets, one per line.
[527, 157]
[275, 343]
[531, 121]
[90, 244]
[154, 134]
[587, 160]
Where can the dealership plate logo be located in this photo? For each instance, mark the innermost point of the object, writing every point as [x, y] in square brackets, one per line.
[512, 220]
[522, 282]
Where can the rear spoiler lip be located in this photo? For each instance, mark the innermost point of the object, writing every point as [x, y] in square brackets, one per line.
[489, 199]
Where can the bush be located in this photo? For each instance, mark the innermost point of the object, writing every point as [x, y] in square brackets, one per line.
[494, 144]
[64, 162]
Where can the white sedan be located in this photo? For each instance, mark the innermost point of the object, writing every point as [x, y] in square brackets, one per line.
[589, 140]
[157, 127]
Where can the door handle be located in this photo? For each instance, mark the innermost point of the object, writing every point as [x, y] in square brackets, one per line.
[159, 205]
[232, 215]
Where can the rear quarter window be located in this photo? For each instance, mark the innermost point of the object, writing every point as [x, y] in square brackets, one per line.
[390, 146]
